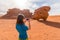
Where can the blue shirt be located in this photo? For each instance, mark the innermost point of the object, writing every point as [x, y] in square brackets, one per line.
[22, 28]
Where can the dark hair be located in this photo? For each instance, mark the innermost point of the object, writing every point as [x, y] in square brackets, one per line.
[20, 19]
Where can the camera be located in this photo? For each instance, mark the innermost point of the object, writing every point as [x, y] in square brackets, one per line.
[27, 19]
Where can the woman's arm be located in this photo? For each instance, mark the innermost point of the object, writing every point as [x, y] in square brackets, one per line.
[29, 24]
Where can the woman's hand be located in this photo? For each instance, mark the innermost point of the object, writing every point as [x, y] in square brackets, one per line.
[28, 23]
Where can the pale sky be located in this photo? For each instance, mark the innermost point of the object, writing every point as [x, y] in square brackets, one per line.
[31, 5]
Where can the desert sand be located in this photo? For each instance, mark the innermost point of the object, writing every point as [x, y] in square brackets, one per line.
[40, 30]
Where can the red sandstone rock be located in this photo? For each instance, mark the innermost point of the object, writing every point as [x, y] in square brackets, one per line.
[41, 13]
[13, 13]
[27, 13]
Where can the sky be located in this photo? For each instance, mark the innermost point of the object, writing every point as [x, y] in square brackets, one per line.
[31, 5]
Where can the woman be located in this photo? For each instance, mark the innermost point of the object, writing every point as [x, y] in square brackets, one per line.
[22, 28]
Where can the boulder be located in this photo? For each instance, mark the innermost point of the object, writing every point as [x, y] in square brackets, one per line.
[41, 13]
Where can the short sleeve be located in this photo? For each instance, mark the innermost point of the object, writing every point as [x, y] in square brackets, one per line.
[25, 28]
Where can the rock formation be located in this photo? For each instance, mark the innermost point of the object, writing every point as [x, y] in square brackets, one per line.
[27, 13]
[41, 13]
[13, 13]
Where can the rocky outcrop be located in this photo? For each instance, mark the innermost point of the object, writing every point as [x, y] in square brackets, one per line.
[13, 13]
[41, 13]
[27, 13]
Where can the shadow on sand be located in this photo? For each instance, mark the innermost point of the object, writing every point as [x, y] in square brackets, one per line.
[51, 23]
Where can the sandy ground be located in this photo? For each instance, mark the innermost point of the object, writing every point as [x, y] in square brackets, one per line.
[40, 30]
